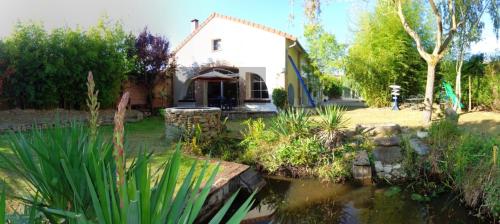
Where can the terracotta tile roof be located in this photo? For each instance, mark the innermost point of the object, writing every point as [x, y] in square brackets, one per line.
[234, 19]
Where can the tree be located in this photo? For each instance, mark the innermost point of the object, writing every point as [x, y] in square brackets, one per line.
[467, 34]
[33, 62]
[324, 50]
[153, 55]
[474, 68]
[326, 55]
[448, 21]
[383, 54]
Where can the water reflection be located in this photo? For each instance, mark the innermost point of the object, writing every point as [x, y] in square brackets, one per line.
[309, 201]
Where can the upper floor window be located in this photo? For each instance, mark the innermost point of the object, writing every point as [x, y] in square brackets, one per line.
[216, 44]
[259, 88]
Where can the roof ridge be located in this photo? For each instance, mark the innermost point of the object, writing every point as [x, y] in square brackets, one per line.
[234, 19]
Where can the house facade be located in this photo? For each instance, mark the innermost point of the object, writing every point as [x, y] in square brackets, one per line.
[236, 64]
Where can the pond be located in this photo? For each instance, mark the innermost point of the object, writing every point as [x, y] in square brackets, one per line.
[286, 200]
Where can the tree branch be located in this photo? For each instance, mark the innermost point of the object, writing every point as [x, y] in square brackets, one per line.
[439, 24]
[412, 33]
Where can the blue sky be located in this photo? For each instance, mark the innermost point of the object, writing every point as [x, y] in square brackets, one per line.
[338, 17]
[171, 18]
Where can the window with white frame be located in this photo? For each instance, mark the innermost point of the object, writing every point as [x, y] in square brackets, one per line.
[259, 88]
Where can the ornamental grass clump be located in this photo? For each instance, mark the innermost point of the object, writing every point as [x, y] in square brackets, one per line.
[330, 124]
[293, 122]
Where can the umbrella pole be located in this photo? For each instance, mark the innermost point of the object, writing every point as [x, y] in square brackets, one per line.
[221, 92]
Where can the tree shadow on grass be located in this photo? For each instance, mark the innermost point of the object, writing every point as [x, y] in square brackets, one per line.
[487, 127]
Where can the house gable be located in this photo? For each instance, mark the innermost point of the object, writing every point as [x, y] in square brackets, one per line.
[234, 19]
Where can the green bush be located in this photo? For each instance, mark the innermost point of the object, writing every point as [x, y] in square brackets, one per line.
[304, 152]
[257, 141]
[279, 97]
[35, 61]
[332, 86]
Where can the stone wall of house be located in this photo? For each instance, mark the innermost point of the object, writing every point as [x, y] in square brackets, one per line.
[178, 120]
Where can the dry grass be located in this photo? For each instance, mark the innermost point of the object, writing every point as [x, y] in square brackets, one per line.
[484, 122]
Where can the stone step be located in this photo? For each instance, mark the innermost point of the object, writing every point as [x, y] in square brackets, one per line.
[379, 129]
[387, 141]
[387, 154]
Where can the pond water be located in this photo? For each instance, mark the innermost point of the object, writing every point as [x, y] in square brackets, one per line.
[286, 200]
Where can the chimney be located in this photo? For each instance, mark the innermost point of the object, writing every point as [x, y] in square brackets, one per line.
[194, 25]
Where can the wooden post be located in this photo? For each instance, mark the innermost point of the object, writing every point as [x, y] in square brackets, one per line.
[470, 94]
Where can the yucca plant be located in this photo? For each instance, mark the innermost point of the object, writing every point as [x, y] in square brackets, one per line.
[330, 123]
[292, 122]
[139, 201]
[128, 197]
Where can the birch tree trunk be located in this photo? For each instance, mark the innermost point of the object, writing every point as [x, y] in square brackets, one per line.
[429, 90]
[458, 83]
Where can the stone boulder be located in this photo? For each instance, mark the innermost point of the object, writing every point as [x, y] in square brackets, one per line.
[362, 159]
[388, 155]
[382, 129]
[419, 147]
[387, 141]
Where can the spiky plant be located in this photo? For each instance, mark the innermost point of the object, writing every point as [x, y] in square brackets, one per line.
[330, 123]
[292, 122]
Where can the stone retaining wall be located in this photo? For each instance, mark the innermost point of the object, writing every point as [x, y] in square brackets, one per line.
[178, 120]
[23, 120]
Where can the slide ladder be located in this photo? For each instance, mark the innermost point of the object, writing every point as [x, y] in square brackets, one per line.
[297, 72]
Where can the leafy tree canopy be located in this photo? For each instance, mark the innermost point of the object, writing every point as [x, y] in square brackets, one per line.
[383, 54]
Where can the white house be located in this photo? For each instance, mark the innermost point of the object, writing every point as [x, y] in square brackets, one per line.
[236, 64]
